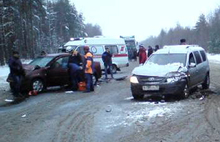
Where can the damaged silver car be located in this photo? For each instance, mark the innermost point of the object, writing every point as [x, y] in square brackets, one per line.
[173, 70]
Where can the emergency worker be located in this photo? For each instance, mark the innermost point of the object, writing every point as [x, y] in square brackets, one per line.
[88, 67]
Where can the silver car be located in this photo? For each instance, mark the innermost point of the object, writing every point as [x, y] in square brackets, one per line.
[173, 70]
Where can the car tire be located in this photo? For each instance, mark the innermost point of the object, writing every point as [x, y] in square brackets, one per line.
[114, 69]
[38, 85]
[185, 92]
[206, 83]
[137, 96]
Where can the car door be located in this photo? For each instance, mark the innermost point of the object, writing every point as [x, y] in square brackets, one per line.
[205, 67]
[199, 67]
[192, 70]
[58, 74]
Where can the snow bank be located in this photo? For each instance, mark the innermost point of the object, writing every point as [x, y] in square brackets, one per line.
[214, 58]
[4, 71]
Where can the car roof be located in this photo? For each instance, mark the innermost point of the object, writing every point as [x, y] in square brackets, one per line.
[181, 49]
[96, 41]
[57, 54]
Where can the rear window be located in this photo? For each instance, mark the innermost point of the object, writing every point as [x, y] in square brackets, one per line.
[41, 61]
[198, 58]
[203, 55]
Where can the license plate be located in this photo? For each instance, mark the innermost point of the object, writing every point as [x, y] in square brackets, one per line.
[150, 88]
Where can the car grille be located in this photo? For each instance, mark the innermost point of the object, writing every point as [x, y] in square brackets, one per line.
[150, 79]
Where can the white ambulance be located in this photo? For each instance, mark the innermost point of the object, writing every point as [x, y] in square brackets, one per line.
[97, 46]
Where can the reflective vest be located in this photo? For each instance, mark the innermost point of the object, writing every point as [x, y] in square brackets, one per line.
[88, 63]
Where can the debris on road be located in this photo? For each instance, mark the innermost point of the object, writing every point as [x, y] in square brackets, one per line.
[202, 98]
[9, 100]
[108, 109]
[23, 116]
[69, 92]
[32, 93]
[120, 78]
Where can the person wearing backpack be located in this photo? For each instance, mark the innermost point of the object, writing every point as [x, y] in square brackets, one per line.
[107, 60]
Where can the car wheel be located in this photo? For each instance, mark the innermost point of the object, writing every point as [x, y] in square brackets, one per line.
[206, 83]
[38, 85]
[114, 69]
[137, 96]
[185, 92]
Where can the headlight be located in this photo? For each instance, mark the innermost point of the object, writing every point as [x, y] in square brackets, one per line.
[175, 76]
[134, 79]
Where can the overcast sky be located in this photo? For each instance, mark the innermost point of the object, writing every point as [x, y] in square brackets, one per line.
[142, 18]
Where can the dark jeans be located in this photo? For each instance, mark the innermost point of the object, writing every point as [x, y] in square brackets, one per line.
[74, 75]
[89, 83]
[106, 70]
[16, 85]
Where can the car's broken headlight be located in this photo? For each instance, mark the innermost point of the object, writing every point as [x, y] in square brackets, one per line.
[133, 79]
[174, 76]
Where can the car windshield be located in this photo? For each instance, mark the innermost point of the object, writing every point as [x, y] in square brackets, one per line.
[41, 61]
[165, 59]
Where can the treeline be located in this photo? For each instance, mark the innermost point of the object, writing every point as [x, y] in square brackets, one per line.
[205, 33]
[31, 26]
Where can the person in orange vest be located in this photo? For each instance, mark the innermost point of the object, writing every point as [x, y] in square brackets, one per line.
[88, 67]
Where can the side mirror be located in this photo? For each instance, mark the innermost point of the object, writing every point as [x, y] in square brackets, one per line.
[192, 65]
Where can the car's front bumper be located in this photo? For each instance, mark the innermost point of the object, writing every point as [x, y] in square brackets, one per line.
[174, 88]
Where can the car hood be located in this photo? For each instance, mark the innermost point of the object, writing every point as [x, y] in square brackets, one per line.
[28, 67]
[155, 69]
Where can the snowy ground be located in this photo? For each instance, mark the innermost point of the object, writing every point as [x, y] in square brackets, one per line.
[110, 114]
[215, 58]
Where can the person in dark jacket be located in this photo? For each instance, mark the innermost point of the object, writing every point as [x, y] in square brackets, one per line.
[75, 68]
[150, 51]
[183, 41]
[107, 60]
[43, 53]
[157, 47]
[16, 73]
[142, 54]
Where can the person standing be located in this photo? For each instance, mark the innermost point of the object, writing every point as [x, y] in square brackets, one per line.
[16, 73]
[107, 60]
[150, 51]
[43, 53]
[88, 67]
[74, 64]
[157, 47]
[142, 54]
[183, 41]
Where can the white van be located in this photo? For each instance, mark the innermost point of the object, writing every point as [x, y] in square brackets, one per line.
[97, 46]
